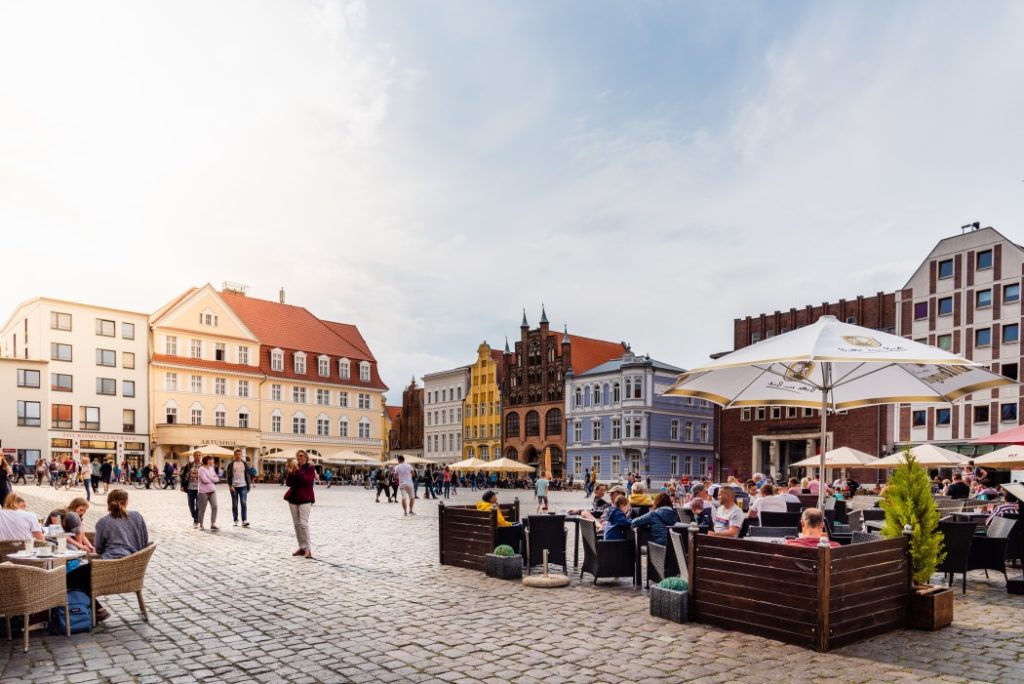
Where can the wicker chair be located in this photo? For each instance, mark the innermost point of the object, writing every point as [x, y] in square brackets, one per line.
[121, 576]
[777, 532]
[25, 590]
[957, 539]
[605, 558]
[864, 537]
[775, 519]
[989, 552]
[661, 562]
[855, 519]
[545, 532]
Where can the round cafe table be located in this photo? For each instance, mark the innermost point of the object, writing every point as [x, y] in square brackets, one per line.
[45, 562]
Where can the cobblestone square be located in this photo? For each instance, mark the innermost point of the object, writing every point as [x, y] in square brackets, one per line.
[375, 606]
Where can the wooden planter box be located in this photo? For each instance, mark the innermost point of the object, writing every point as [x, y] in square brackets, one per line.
[931, 609]
[669, 604]
[817, 598]
[503, 567]
[466, 535]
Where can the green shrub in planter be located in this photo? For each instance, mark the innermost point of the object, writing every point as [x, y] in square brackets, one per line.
[504, 563]
[670, 599]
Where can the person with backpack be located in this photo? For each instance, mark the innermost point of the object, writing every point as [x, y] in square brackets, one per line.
[383, 483]
[106, 470]
[190, 485]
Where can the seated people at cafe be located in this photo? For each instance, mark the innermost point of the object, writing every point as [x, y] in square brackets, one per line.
[794, 487]
[702, 513]
[489, 502]
[958, 489]
[599, 506]
[700, 491]
[17, 524]
[768, 501]
[617, 524]
[639, 496]
[662, 517]
[812, 529]
[750, 489]
[71, 522]
[728, 517]
[814, 485]
[1010, 508]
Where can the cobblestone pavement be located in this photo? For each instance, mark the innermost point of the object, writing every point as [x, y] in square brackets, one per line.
[375, 606]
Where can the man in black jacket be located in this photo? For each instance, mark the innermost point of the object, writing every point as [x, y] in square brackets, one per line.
[239, 481]
[190, 485]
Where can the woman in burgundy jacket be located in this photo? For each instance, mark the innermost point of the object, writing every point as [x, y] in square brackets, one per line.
[300, 499]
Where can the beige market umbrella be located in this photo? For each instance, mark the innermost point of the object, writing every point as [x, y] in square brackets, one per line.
[349, 457]
[1008, 457]
[507, 465]
[926, 455]
[411, 460]
[287, 455]
[470, 464]
[209, 450]
[831, 366]
[843, 457]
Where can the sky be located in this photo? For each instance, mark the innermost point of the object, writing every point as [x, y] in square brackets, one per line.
[647, 170]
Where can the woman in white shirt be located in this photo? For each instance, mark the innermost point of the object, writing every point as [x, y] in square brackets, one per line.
[17, 524]
[768, 501]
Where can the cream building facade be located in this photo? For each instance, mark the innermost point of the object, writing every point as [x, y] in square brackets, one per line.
[23, 420]
[264, 376]
[443, 395]
[98, 381]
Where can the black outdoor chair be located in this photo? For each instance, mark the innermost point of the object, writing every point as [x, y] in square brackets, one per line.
[863, 537]
[762, 531]
[637, 511]
[546, 532]
[872, 514]
[1015, 542]
[855, 520]
[794, 506]
[661, 562]
[989, 552]
[602, 558]
[685, 515]
[774, 519]
[680, 542]
[957, 543]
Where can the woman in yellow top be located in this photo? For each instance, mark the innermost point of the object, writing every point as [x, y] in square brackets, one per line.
[489, 501]
[638, 497]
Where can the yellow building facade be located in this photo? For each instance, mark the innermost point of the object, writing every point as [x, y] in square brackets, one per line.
[481, 412]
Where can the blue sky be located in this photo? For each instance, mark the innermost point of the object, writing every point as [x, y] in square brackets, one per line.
[649, 170]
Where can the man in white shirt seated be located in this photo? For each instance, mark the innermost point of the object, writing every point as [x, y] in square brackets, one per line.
[768, 501]
[17, 524]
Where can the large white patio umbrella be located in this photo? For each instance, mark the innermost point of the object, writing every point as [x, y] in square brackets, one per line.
[470, 464]
[1008, 457]
[924, 454]
[508, 465]
[843, 457]
[831, 366]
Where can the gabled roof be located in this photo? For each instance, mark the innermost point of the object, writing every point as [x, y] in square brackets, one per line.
[616, 364]
[944, 248]
[588, 352]
[351, 333]
[394, 412]
[498, 357]
[290, 327]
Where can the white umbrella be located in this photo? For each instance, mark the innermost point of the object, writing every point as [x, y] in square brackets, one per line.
[925, 455]
[411, 460]
[1008, 457]
[832, 366]
[843, 457]
[508, 465]
[470, 464]
[349, 457]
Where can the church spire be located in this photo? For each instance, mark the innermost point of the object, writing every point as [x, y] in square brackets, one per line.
[507, 350]
[543, 315]
[524, 324]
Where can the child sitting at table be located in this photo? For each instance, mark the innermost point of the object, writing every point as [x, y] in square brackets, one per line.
[618, 523]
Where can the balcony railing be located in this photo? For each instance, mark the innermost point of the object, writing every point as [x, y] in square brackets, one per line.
[319, 439]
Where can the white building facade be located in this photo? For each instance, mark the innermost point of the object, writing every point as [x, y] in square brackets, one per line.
[965, 298]
[98, 380]
[443, 397]
[23, 417]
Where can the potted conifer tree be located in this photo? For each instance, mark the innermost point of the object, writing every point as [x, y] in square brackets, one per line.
[908, 502]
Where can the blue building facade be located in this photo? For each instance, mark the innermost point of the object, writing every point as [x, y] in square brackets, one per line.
[617, 420]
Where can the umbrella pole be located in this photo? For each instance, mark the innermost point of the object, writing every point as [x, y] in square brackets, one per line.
[826, 372]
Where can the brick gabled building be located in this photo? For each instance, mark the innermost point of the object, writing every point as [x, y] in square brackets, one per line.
[767, 439]
[533, 390]
[406, 436]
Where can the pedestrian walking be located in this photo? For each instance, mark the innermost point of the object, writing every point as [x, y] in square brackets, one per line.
[447, 477]
[190, 485]
[106, 469]
[239, 482]
[300, 500]
[541, 491]
[40, 472]
[85, 469]
[19, 472]
[327, 477]
[208, 480]
[94, 473]
[405, 474]
[428, 478]
[168, 475]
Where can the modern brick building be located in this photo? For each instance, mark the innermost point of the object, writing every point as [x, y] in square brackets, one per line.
[533, 391]
[768, 438]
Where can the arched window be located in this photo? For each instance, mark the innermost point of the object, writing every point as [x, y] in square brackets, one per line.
[553, 422]
[469, 452]
[533, 424]
[551, 354]
[364, 427]
[616, 393]
[512, 425]
[629, 388]
[512, 453]
[597, 395]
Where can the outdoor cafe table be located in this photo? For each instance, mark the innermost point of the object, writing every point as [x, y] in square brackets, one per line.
[45, 562]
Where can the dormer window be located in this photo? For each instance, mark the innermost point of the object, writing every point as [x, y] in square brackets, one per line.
[344, 369]
[323, 366]
[364, 371]
[299, 360]
[276, 360]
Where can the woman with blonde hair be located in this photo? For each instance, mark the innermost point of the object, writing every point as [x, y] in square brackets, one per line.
[71, 522]
[17, 524]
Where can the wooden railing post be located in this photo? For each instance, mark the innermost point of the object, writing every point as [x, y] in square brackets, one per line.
[440, 531]
[824, 594]
[691, 571]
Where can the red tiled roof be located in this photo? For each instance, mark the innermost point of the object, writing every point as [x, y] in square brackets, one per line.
[293, 328]
[205, 364]
[588, 352]
[351, 334]
[393, 412]
[498, 357]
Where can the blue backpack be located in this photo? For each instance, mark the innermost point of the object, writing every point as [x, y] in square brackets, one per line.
[80, 608]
